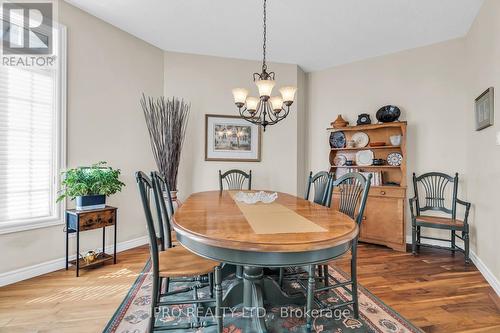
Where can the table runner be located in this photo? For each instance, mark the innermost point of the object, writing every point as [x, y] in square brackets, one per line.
[274, 218]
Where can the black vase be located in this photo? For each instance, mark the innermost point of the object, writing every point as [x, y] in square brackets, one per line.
[388, 113]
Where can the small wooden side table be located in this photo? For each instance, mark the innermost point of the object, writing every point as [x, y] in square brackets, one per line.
[83, 220]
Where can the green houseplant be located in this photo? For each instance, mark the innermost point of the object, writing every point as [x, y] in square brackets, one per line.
[90, 185]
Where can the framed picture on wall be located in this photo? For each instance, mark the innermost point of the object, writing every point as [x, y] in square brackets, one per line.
[484, 109]
[231, 138]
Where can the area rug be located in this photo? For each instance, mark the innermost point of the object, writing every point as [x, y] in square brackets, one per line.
[133, 314]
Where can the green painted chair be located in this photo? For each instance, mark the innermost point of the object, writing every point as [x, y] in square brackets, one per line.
[164, 206]
[171, 263]
[320, 183]
[234, 179]
[438, 189]
[353, 191]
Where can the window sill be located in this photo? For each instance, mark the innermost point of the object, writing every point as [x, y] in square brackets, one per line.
[9, 228]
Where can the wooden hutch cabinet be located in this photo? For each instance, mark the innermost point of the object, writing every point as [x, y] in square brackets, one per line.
[384, 217]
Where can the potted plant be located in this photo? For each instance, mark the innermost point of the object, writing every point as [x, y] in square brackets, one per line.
[90, 185]
[166, 120]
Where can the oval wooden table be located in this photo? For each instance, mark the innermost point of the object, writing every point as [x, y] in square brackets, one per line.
[212, 225]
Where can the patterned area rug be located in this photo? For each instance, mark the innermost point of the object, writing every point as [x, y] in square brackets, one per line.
[133, 314]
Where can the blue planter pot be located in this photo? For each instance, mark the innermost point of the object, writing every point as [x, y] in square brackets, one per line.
[88, 202]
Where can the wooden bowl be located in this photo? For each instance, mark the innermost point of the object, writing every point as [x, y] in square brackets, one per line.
[377, 144]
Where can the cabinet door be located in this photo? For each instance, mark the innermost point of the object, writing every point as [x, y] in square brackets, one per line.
[383, 220]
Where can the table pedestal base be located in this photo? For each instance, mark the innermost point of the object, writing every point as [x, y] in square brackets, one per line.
[254, 291]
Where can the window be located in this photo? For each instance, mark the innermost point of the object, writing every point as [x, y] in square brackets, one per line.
[32, 117]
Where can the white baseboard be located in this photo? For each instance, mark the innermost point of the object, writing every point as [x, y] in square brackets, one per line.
[57, 264]
[487, 274]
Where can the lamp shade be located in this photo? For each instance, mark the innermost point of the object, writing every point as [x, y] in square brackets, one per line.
[265, 87]
[252, 103]
[240, 95]
[288, 93]
[276, 103]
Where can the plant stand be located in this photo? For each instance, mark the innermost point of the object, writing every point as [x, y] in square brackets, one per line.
[84, 220]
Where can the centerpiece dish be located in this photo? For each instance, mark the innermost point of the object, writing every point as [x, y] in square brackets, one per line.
[254, 197]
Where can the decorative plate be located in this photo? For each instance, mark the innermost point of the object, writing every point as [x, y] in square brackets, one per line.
[394, 159]
[339, 160]
[337, 139]
[361, 139]
[364, 157]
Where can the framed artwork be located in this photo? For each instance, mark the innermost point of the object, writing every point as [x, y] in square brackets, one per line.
[231, 138]
[484, 109]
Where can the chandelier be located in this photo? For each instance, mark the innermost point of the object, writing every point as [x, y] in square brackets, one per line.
[266, 109]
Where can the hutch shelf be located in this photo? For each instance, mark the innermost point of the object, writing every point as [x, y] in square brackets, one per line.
[384, 219]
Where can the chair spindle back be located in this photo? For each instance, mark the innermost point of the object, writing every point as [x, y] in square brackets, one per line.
[161, 189]
[235, 179]
[435, 186]
[353, 193]
[145, 188]
[321, 183]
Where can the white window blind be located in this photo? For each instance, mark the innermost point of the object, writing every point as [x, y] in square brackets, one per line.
[31, 120]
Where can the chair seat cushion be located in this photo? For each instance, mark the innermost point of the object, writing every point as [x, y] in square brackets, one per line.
[440, 221]
[178, 261]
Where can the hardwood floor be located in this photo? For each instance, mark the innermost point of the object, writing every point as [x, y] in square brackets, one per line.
[435, 291]
[60, 302]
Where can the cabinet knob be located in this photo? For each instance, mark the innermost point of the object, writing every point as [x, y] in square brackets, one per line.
[382, 192]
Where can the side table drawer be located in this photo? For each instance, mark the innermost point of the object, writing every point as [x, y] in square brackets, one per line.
[97, 220]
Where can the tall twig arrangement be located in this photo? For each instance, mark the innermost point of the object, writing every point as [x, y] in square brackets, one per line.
[166, 120]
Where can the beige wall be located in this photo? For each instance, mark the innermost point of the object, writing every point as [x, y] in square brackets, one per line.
[206, 82]
[107, 71]
[483, 157]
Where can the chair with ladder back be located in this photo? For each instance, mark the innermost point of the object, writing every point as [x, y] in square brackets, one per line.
[234, 179]
[176, 262]
[352, 194]
[438, 188]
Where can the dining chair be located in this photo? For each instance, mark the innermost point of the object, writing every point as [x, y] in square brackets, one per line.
[164, 205]
[235, 179]
[320, 182]
[176, 262]
[352, 193]
[438, 190]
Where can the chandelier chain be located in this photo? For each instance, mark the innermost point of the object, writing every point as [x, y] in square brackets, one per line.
[264, 65]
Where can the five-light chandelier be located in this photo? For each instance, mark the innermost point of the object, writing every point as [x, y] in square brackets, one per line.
[266, 109]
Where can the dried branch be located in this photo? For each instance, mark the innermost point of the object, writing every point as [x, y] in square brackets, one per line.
[166, 120]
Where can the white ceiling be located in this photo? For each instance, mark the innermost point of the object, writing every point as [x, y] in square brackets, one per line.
[314, 34]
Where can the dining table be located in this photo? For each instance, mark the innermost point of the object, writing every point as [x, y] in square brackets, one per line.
[288, 232]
